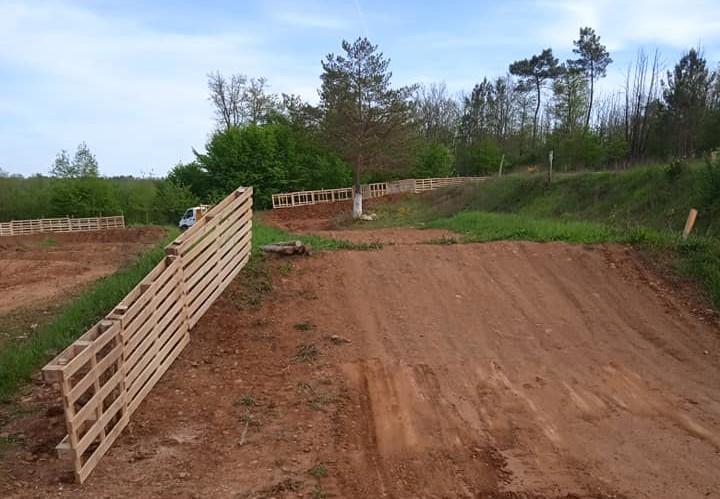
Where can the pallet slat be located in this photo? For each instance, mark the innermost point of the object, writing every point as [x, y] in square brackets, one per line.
[106, 373]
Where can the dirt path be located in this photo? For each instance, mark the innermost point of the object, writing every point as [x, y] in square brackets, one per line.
[500, 370]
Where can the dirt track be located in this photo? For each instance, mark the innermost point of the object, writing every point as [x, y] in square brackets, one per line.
[42, 267]
[501, 370]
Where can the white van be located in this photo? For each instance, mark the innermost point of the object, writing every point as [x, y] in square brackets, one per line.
[191, 216]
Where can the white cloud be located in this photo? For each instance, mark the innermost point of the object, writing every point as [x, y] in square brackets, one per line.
[136, 95]
[623, 23]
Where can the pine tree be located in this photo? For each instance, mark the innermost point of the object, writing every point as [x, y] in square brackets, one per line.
[535, 72]
[593, 62]
[365, 119]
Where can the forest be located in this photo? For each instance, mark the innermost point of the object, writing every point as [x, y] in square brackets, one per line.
[363, 128]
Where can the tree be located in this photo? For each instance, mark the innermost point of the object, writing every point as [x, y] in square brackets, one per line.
[570, 93]
[433, 161]
[686, 94]
[436, 114]
[593, 62]
[365, 119]
[240, 101]
[536, 71]
[226, 97]
[84, 162]
[62, 167]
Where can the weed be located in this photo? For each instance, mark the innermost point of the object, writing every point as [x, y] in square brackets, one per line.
[286, 268]
[320, 401]
[48, 243]
[304, 326]
[444, 240]
[287, 485]
[6, 442]
[318, 471]
[247, 400]
[318, 493]
[307, 353]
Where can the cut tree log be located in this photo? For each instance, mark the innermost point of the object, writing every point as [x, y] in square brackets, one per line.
[287, 248]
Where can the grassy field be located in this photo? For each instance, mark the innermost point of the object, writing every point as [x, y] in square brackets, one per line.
[646, 207]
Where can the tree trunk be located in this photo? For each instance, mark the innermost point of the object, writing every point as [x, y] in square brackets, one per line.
[537, 110]
[592, 88]
[357, 193]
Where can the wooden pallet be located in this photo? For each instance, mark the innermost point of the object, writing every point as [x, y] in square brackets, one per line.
[20, 227]
[106, 374]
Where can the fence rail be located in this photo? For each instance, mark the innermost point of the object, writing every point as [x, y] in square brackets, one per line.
[109, 370]
[19, 227]
[304, 198]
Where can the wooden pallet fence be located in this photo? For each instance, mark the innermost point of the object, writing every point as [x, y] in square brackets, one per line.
[106, 374]
[20, 227]
[304, 198]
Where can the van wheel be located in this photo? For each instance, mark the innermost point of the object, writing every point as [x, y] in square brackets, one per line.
[183, 228]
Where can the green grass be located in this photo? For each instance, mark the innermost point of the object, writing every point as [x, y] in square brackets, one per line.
[478, 226]
[19, 360]
[644, 206]
[265, 234]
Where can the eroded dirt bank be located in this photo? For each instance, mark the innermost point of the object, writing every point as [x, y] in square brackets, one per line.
[500, 370]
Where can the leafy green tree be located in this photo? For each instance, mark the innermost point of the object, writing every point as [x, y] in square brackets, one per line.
[433, 161]
[171, 201]
[534, 72]
[83, 197]
[62, 167]
[365, 119]
[592, 63]
[84, 164]
[194, 176]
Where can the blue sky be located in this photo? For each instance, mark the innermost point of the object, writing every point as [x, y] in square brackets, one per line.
[129, 77]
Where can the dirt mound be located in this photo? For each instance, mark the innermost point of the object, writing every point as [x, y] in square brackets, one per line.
[500, 370]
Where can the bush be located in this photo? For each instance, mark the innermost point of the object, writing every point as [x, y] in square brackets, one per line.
[433, 161]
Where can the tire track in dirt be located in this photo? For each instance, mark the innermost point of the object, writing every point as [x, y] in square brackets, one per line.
[499, 370]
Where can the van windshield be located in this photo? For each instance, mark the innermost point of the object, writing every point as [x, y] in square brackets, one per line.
[188, 214]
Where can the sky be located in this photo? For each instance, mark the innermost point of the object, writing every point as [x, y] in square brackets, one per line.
[129, 78]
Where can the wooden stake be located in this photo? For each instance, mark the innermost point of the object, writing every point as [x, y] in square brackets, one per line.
[690, 223]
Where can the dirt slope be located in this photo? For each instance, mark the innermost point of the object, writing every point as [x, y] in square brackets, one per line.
[502, 370]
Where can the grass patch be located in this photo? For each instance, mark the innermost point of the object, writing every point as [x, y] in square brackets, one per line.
[318, 471]
[304, 326]
[265, 234]
[48, 243]
[477, 226]
[19, 360]
[247, 401]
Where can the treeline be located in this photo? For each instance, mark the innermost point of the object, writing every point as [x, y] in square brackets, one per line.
[363, 124]
[365, 129]
[141, 201]
[75, 189]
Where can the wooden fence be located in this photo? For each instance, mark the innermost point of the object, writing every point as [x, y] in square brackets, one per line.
[18, 227]
[304, 198]
[109, 370]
